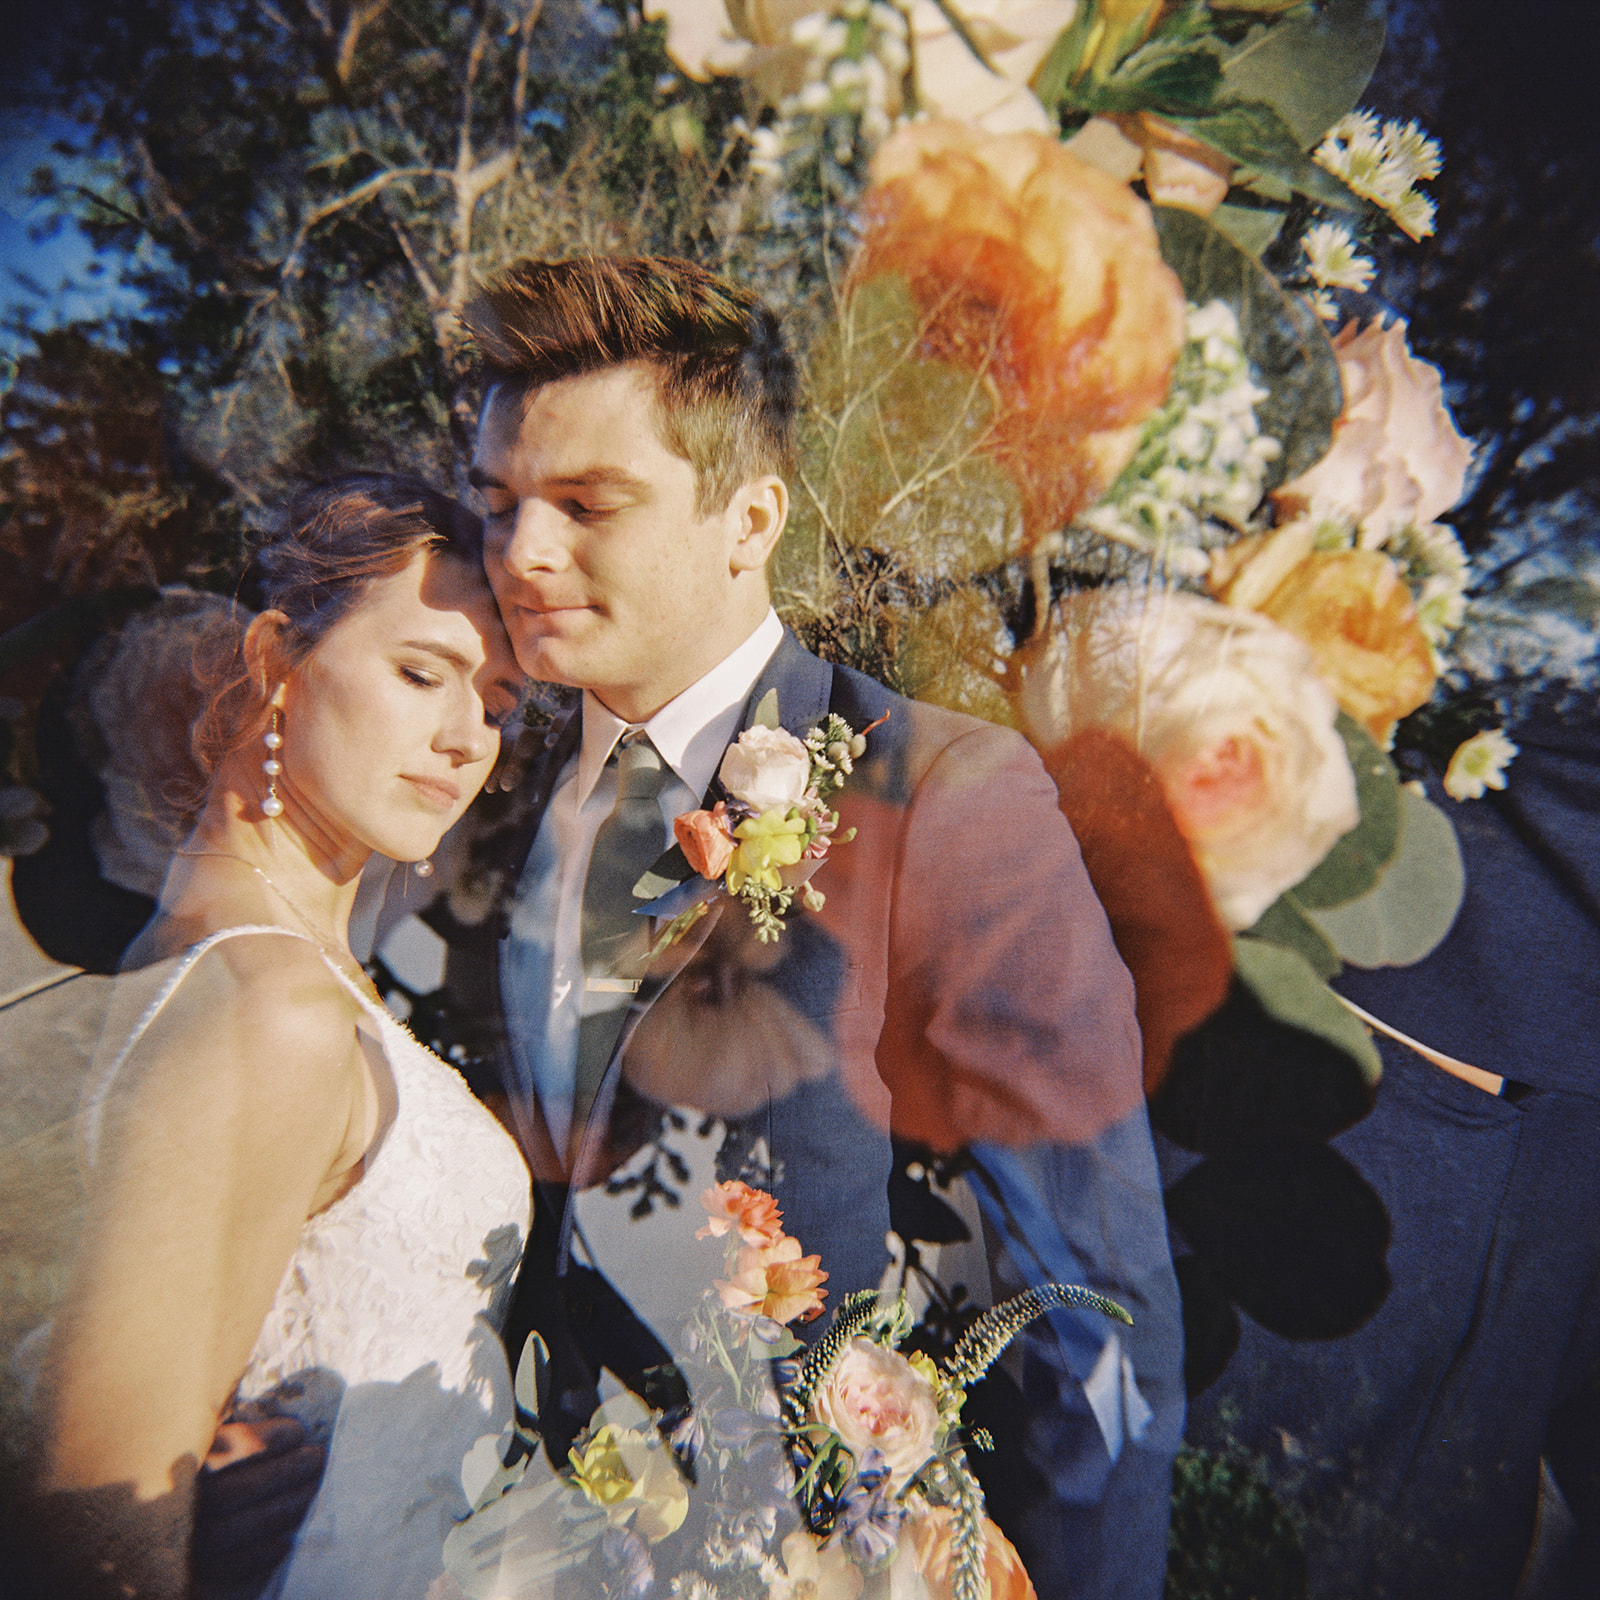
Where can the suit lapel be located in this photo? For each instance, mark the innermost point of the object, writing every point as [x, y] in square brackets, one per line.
[803, 684]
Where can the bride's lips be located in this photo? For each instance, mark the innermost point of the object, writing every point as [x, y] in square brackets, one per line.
[438, 792]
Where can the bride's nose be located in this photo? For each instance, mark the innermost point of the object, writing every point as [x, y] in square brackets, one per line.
[467, 735]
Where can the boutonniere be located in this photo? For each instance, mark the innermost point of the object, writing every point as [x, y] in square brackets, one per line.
[774, 827]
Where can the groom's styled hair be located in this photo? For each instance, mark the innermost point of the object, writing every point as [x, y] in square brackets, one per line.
[726, 387]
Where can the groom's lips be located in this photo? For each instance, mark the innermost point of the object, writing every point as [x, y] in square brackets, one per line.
[553, 613]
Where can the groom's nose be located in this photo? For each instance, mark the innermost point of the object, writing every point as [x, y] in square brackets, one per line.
[541, 538]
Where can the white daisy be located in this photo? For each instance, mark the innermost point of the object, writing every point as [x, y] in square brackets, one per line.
[1334, 263]
[1478, 764]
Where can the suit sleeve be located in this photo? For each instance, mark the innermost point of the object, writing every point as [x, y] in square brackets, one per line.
[1010, 1033]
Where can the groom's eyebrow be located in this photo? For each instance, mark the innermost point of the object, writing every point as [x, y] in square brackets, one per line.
[589, 478]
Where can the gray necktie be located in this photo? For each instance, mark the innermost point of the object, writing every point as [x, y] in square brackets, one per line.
[614, 940]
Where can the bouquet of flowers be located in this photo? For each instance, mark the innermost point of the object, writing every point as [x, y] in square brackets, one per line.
[759, 1468]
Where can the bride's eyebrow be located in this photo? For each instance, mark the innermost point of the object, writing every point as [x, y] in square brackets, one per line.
[436, 647]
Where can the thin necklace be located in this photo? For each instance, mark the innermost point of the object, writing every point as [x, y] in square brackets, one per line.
[358, 977]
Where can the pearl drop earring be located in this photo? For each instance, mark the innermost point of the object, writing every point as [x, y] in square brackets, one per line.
[422, 868]
[272, 806]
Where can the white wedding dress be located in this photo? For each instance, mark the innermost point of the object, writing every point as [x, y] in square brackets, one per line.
[382, 1336]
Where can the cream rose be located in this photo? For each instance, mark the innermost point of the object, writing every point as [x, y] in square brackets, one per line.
[704, 39]
[766, 768]
[876, 1400]
[1229, 711]
[1397, 460]
[1015, 37]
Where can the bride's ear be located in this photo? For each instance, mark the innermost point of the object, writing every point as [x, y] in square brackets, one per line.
[264, 656]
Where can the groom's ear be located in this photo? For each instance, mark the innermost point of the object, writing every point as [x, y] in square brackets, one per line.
[759, 509]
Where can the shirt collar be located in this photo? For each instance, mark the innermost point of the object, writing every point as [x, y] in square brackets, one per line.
[690, 732]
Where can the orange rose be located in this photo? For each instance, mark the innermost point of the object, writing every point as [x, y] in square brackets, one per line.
[703, 836]
[775, 1281]
[735, 1205]
[1350, 606]
[1044, 274]
[927, 1539]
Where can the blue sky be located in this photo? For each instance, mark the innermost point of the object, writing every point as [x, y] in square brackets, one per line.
[63, 258]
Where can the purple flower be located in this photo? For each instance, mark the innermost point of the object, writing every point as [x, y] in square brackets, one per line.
[688, 1437]
[625, 1553]
[869, 1516]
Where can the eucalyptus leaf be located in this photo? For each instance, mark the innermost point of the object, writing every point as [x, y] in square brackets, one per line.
[1416, 898]
[1310, 70]
[1252, 228]
[1285, 923]
[1289, 351]
[1290, 992]
[1351, 868]
[1254, 135]
[766, 714]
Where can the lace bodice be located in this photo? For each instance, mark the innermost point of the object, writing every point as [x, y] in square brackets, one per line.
[382, 1336]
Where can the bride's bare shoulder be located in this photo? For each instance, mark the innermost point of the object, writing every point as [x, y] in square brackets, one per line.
[265, 1000]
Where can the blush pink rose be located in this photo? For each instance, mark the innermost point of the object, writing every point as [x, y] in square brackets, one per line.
[767, 769]
[1397, 459]
[876, 1400]
[1228, 709]
[704, 839]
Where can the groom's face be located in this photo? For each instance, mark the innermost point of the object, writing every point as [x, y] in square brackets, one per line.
[607, 577]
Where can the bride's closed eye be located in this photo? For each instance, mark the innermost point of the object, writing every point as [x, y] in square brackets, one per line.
[495, 717]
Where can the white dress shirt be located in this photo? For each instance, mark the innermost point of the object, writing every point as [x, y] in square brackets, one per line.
[543, 972]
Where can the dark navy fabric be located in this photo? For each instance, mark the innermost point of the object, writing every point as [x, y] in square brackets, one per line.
[1410, 1449]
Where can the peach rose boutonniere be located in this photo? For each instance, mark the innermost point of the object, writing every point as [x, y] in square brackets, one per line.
[764, 841]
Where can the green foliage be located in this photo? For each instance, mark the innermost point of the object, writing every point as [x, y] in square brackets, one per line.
[897, 504]
[1311, 69]
[1165, 76]
[1352, 867]
[1415, 900]
[1289, 351]
[1291, 992]
[1230, 1538]
[1287, 923]
[1256, 136]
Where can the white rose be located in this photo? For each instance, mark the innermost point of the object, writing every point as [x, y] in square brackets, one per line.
[1015, 37]
[1229, 712]
[706, 41]
[876, 1400]
[1396, 459]
[766, 768]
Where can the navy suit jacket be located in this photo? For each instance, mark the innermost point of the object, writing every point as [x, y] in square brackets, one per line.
[958, 995]
[1410, 1448]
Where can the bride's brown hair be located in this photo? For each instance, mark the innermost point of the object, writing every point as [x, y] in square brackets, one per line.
[335, 538]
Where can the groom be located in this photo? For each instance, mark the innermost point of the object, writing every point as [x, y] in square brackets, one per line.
[956, 1001]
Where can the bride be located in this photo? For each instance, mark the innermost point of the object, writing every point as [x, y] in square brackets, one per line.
[294, 1207]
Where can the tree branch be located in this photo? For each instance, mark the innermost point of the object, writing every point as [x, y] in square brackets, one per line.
[362, 192]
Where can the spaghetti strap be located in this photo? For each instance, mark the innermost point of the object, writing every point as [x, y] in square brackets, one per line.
[97, 1090]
